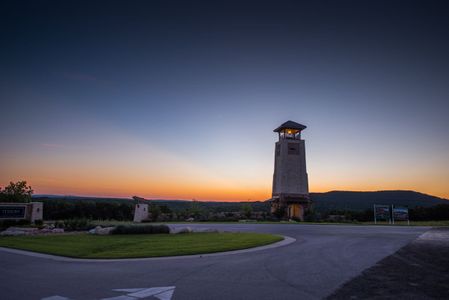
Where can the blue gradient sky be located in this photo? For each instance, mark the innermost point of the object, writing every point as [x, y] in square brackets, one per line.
[178, 99]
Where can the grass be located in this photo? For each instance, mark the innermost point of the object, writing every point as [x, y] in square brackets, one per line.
[133, 246]
[412, 223]
[116, 223]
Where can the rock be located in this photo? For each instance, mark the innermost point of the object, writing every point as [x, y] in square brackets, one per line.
[13, 231]
[183, 230]
[93, 230]
[8, 232]
[103, 231]
[49, 226]
[25, 229]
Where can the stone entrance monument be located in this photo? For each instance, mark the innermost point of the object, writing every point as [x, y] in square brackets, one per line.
[140, 212]
[32, 211]
[290, 194]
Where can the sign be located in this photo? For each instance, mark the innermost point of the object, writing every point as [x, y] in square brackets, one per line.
[12, 211]
[382, 212]
[400, 213]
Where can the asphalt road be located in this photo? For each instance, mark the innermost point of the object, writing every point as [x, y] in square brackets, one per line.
[322, 259]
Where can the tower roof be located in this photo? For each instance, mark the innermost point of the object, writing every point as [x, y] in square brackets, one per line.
[290, 125]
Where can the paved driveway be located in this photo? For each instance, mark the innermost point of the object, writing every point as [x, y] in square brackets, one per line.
[322, 258]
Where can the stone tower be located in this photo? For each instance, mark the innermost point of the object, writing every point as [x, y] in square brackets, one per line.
[290, 196]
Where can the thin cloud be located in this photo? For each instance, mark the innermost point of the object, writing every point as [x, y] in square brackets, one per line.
[46, 145]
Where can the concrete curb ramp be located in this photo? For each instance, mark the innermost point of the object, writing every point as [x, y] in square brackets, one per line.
[286, 241]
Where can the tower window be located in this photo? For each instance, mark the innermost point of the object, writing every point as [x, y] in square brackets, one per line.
[293, 148]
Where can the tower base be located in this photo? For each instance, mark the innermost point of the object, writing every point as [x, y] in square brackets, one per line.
[290, 206]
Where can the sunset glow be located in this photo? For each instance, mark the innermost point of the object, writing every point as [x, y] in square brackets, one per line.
[130, 167]
[164, 106]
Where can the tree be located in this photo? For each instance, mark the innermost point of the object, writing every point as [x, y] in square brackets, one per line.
[279, 212]
[165, 209]
[16, 192]
[195, 210]
[247, 210]
[155, 211]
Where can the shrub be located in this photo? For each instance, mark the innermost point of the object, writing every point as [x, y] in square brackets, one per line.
[141, 229]
[8, 223]
[312, 216]
[59, 224]
[77, 224]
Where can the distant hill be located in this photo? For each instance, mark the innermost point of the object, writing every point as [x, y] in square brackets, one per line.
[347, 200]
[46, 197]
[334, 200]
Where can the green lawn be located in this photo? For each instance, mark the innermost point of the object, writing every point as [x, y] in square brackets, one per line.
[141, 245]
[412, 223]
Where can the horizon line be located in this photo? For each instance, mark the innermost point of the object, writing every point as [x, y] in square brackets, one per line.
[249, 200]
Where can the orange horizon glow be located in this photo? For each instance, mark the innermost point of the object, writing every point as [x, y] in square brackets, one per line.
[130, 167]
[199, 192]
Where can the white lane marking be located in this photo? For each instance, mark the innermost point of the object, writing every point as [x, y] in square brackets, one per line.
[151, 292]
[165, 295]
[162, 293]
[124, 297]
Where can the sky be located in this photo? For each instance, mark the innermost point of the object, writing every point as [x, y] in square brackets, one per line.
[179, 99]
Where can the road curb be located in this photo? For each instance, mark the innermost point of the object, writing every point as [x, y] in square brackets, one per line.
[286, 241]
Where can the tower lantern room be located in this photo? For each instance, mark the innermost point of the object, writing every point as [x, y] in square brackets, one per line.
[290, 130]
[290, 196]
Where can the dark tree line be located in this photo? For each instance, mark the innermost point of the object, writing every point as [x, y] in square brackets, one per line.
[438, 212]
[64, 209]
[123, 210]
[348, 215]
